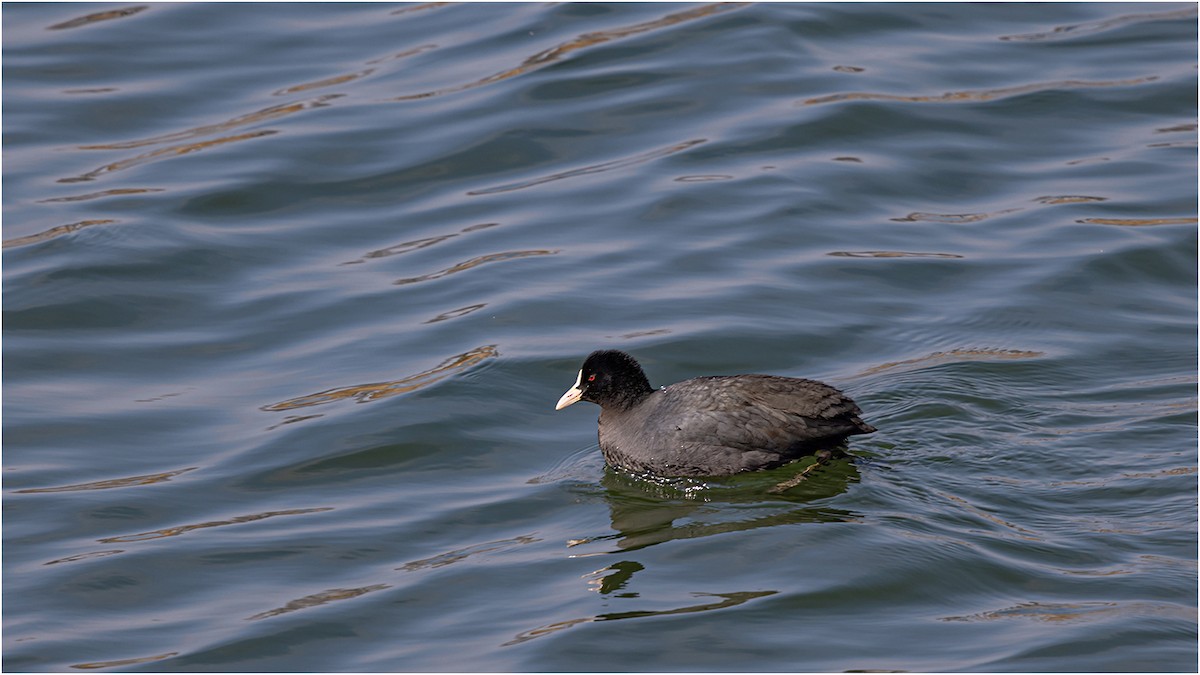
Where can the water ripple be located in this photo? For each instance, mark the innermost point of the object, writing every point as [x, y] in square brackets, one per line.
[147, 479]
[593, 169]
[727, 600]
[318, 600]
[549, 56]
[456, 313]
[952, 356]
[458, 555]
[980, 95]
[86, 556]
[54, 232]
[1050, 200]
[325, 597]
[97, 17]
[120, 663]
[1078, 611]
[184, 529]
[1089, 27]
[891, 254]
[258, 116]
[475, 262]
[363, 393]
[416, 244]
[116, 192]
[165, 153]
[1138, 222]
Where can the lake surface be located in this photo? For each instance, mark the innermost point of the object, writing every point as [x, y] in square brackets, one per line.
[290, 292]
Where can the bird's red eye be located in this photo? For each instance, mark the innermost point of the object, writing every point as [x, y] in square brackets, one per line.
[592, 377]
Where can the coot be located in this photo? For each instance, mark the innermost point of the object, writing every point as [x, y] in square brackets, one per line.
[709, 426]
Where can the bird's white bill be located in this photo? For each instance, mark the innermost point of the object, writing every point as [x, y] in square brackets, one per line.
[573, 394]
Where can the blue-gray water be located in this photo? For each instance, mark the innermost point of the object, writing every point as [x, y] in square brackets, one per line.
[290, 292]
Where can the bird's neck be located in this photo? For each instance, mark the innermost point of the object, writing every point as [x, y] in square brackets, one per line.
[632, 395]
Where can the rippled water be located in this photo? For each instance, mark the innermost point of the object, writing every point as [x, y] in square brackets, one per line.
[290, 292]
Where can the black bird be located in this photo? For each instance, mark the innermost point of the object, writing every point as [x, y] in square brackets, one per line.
[709, 426]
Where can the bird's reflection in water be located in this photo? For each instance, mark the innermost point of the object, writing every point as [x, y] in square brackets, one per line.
[710, 601]
[613, 578]
[647, 511]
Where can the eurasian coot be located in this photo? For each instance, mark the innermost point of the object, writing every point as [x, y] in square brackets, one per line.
[709, 426]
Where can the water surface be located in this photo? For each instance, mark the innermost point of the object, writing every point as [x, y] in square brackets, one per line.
[290, 292]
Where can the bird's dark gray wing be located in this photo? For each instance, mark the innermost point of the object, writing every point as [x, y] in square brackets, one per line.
[763, 412]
